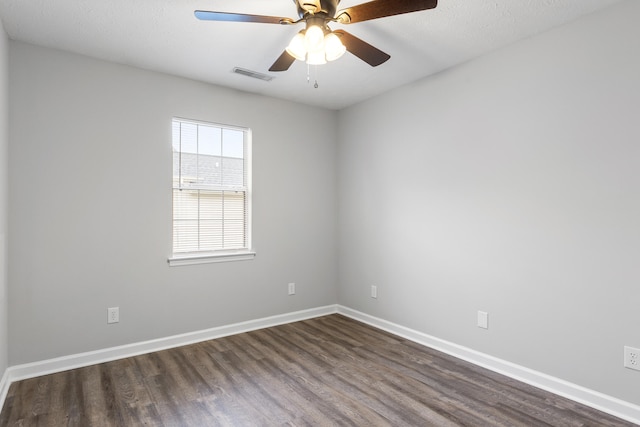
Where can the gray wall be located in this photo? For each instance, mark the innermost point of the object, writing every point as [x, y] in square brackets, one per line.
[90, 207]
[511, 185]
[4, 147]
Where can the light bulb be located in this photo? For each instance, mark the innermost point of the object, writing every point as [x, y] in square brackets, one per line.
[314, 39]
[296, 47]
[333, 47]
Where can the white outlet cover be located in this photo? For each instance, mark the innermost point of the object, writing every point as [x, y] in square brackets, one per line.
[292, 288]
[113, 315]
[374, 292]
[483, 319]
[632, 358]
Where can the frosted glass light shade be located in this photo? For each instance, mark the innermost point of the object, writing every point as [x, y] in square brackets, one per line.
[333, 47]
[314, 39]
[316, 58]
[296, 47]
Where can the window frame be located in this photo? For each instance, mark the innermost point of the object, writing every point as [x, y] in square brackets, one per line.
[217, 255]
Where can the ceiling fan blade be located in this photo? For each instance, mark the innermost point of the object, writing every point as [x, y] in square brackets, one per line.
[205, 15]
[381, 8]
[363, 50]
[283, 62]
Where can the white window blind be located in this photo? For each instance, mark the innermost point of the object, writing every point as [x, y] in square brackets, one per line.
[211, 199]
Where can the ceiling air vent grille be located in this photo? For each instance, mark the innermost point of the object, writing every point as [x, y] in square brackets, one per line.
[253, 74]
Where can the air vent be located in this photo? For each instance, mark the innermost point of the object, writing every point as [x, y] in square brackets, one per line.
[253, 74]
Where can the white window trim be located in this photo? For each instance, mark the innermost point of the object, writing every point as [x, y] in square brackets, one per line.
[195, 258]
[210, 257]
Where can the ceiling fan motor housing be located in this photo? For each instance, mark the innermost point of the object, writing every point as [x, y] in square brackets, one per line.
[328, 7]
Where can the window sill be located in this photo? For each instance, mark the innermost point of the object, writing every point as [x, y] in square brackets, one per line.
[206, 258]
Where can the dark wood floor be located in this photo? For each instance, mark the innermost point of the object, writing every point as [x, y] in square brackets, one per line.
[325, 371]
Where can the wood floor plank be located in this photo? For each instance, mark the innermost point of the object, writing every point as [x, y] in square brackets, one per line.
[327, 371]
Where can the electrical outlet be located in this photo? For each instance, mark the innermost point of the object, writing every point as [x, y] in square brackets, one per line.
[483, 320]
[113, 314]
[292, 288]
[632, 358]
[374, 291]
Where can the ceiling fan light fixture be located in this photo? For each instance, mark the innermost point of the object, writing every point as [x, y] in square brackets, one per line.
[334, 48]
[296, 47]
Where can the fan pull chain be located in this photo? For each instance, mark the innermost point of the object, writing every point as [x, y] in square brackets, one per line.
[315, 69]
[315, 84]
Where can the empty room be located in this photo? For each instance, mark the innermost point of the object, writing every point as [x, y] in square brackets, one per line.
[324, 212]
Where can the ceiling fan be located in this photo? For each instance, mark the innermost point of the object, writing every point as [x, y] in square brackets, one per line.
[317, 43]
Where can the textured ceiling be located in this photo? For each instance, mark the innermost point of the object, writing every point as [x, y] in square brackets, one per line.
[164, 35]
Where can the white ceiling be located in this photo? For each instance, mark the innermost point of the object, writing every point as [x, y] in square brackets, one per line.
[163, 35]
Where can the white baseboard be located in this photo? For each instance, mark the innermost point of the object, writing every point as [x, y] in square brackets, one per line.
[4, 387]
[59, 364]
[594, 399]
[611, 405]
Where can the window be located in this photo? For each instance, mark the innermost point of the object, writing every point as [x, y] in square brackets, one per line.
[211, 192]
